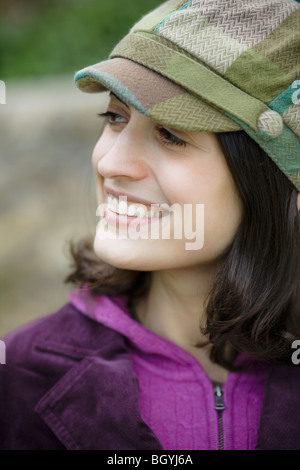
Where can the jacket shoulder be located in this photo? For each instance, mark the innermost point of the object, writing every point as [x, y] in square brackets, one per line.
[280, 416]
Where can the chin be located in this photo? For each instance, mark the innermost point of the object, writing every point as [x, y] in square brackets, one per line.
[119, 254]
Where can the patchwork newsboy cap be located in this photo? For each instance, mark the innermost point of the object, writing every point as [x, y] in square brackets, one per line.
[214, 65]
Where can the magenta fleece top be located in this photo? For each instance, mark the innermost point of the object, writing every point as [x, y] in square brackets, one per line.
[176, 396]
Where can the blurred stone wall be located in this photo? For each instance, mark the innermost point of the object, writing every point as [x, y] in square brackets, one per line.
[48, 129]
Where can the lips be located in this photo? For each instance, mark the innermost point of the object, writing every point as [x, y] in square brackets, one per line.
[123, 207]
[119, 220]
[130, 197]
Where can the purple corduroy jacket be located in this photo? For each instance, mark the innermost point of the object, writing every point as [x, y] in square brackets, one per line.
[68, 383]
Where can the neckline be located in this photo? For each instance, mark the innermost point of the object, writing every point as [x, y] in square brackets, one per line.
[112, 311]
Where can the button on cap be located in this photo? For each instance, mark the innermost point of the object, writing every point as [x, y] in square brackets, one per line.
[270, 124]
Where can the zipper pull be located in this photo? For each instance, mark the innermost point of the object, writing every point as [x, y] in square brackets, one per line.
[219, 407]
[219, 402]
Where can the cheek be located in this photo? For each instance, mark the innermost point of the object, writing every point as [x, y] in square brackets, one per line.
[179, 182]
[223, 214]
[217, 192]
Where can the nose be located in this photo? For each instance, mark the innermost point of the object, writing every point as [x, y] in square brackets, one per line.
[122, 154]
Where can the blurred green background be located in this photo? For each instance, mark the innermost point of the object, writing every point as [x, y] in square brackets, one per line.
[46, 37]
[48, 129]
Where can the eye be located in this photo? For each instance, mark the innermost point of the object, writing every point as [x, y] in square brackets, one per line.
[113, 118]
[167, 138]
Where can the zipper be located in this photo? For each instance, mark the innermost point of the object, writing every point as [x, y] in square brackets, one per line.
[219, 407]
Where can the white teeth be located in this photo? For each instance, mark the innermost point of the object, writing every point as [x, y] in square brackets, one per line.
[133, 210]
[110, 203]
[140, 212]
[151, 215]
[122, 209]
[115, 204]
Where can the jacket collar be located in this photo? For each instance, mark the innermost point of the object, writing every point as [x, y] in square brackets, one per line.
[94, 404]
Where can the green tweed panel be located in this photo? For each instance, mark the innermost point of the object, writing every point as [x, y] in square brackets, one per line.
[251, 64]
[191, 74]
[282, 45]
[283, 150]
[191, 114]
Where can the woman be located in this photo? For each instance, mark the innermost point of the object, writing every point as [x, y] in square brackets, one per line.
[168, 343]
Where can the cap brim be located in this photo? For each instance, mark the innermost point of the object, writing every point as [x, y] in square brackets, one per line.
[153, 95]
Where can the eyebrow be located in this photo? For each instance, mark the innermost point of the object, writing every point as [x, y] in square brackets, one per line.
[119, 99]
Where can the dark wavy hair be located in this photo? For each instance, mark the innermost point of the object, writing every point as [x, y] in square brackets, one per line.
[253, 305]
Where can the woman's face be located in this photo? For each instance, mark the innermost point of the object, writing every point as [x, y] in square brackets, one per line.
[185, 173]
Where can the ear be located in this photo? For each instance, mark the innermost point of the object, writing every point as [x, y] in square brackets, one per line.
[298, 201]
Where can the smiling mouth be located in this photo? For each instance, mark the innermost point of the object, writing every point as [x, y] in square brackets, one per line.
[123, 207]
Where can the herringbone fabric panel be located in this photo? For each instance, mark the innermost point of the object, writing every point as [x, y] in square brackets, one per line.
[188, 114]
[248, 21]
[170, 45]
[207, 42]
[282, 46]
[148, 53]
